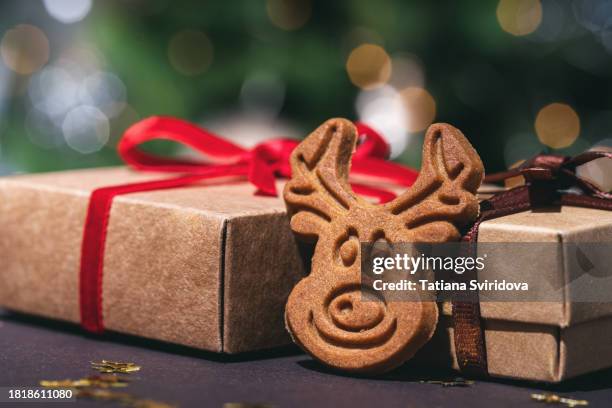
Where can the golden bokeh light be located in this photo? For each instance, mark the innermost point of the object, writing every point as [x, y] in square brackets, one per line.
[288, 14]
[190, 52]
[519, 17]
[25, 49]
[420, 108]
[557, 125]
[368, 66]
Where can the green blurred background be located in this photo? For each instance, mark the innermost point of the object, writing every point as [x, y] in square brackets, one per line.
[517, 76]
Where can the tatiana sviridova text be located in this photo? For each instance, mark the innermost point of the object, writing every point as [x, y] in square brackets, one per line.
[441, 285]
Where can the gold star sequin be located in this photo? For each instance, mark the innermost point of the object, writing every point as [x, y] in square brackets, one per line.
[106, 366]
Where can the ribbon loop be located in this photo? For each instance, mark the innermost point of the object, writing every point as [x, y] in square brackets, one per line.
[261, 165]
[372, 144]
[212, 146]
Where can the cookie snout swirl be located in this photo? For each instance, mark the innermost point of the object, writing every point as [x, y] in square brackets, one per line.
[330, 314]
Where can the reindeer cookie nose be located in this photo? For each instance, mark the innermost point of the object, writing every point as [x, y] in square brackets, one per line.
[330, 314]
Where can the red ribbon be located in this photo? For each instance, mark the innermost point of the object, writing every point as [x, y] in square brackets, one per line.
[261, 165]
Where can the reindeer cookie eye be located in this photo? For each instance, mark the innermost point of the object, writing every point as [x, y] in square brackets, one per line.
[347, 248]
[348, 252]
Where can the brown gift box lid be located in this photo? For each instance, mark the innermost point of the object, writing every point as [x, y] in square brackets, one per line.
[203, 266]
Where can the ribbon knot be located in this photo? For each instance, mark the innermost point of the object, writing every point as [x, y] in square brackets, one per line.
[543, 167]
[549, 176]
[267, 161]
[261, 164]
[547, 161]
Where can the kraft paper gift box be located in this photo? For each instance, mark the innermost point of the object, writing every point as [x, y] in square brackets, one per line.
[548, 340]
[206, 266]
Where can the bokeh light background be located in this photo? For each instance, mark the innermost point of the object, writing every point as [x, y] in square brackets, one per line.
[517, 76]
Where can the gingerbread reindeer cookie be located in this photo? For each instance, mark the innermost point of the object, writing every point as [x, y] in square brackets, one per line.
[326, 313]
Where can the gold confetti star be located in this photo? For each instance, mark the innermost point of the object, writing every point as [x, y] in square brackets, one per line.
[100, 381]
[556, 399]
[106, 366]
[457, 382]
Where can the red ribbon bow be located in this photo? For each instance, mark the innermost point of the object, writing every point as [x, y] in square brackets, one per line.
[261, 165]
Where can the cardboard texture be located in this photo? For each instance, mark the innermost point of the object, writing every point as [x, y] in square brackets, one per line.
[211, 266]
[562, 225]
[206, 266]
[531, 351]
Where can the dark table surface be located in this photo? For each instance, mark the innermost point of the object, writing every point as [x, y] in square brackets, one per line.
[34, 349]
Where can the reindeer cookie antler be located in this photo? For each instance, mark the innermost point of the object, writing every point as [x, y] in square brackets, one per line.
[326, 312]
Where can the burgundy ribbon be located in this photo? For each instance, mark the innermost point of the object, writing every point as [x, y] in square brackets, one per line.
[261, 166]
[547, 181]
